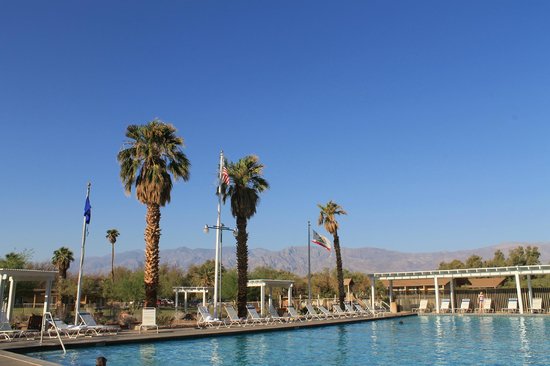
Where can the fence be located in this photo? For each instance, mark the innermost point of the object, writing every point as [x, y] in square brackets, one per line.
[499, 297]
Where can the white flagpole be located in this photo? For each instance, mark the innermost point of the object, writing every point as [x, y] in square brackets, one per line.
[309, 262]
[84, 226]
[217, 271]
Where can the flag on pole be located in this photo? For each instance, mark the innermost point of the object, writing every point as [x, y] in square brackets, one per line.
[225, 176]
[321, 240]
[87, 210]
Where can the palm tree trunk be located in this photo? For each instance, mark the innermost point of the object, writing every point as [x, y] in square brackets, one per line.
[339, 272]
[113, 262]
[242, 266]
[152, 238]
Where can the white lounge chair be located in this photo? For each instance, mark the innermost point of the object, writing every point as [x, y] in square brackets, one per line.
[350, 310]
[374, 312]
[339, 311]
[422, 307]
[293, 314]
[359, 309]
[326, 312]
[312, 314]
[205, 319]
[274, 315]
[88, 320]
[71, 331]
[7, 333]
[487, 306]
[464, 306]
[253, 316]
[148, 319]
[512, 306]
[537, 306]
[233, 317]
[445, 306]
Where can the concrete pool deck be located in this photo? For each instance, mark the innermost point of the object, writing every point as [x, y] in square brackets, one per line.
[9, 351]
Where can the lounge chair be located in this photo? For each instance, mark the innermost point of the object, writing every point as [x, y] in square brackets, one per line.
[70, 331]
[445, 306]
[464, 306]
[293, 314]
[274, 315]
[8, 333]
[205, 319]
[422, 307]
[536, 306]
[88, 320]
[512, 306]
[149, 319]
[487, 306]
[312, 314]
[253, 316]
[339, 311]
[350, 310]
[374, 312]
[359, 309]
[233, 317]
[326, 312]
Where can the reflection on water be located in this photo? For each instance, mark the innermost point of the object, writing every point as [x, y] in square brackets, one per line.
[425, 340]
[148, 354]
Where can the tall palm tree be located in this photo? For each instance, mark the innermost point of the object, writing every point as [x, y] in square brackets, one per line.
[246, 184]
[149, 161]
[112, 234]
[328, 219]
[62, 259]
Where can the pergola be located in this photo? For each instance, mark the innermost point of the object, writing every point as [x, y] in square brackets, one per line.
[11, 277]
[262, 284]
[190, 290]
[436, 275]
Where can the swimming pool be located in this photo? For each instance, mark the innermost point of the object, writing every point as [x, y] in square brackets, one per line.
[423, 340]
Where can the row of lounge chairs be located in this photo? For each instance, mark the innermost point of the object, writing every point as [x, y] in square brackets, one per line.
[205, 319]
[466, 306]
[54, 327]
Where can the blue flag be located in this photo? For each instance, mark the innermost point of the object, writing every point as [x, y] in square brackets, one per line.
[88, 210]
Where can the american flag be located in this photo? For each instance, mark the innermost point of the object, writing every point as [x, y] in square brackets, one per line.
[225, 176]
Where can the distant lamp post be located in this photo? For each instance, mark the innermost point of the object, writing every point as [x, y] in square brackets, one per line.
[218, 262]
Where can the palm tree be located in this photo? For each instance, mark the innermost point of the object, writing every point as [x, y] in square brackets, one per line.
[328, 219]
[112, 234]
[62, 259]
[149, 161]
[246, 184]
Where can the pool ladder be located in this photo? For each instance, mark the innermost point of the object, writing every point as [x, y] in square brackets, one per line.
[48, 318]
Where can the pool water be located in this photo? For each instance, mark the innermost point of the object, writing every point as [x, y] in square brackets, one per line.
[422, 340]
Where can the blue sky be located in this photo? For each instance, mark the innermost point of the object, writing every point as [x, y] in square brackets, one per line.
[426, 120]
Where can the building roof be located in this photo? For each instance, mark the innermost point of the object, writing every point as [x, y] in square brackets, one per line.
[348, 281]
[491, 282]
[421, 282]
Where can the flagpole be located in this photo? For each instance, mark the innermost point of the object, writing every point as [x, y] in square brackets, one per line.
[84, 226]
[309, 262]
[217, 272]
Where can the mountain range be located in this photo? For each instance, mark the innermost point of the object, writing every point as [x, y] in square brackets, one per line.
[294, 259]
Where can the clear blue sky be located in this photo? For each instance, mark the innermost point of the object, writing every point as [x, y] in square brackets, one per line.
[428, 121]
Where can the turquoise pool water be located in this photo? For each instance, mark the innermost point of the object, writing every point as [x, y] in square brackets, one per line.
[423, 340]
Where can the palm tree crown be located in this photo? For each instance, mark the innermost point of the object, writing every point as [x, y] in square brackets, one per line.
[62, 259]
[150, 160]
[153, 156]
[246, 184]
[245, 187]
[327, 216]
